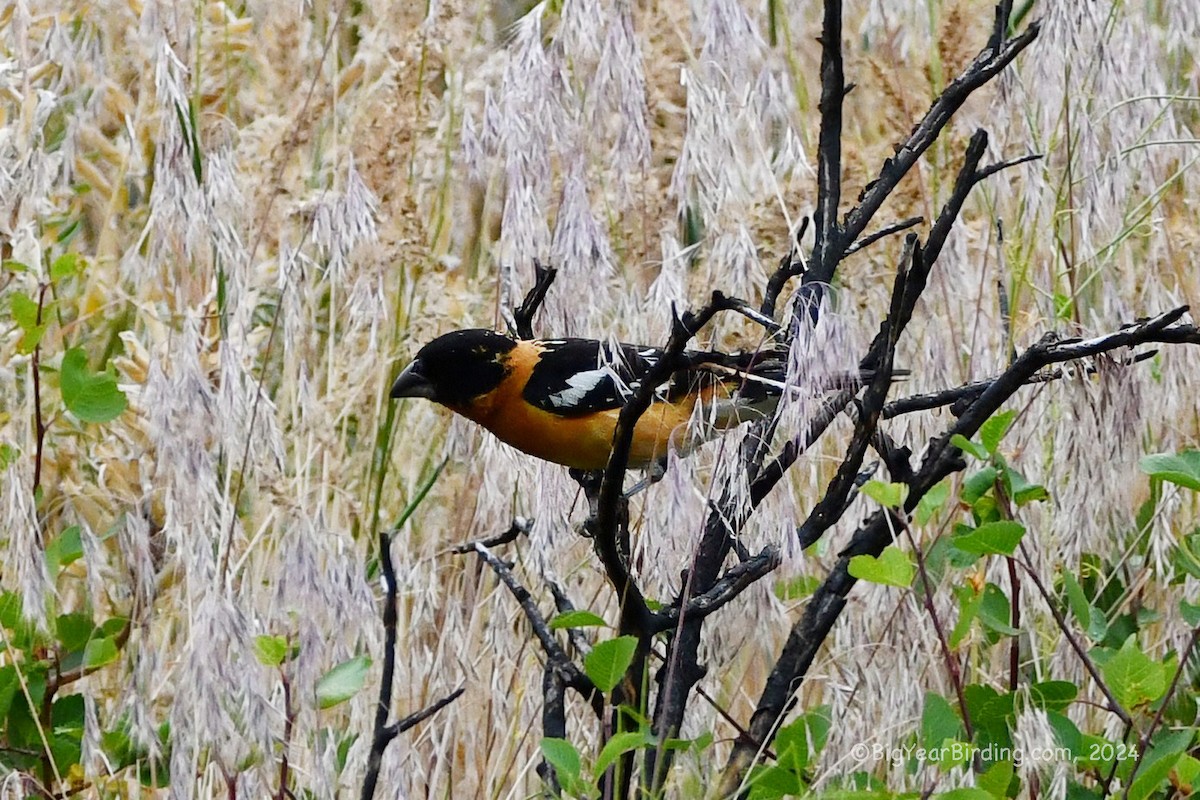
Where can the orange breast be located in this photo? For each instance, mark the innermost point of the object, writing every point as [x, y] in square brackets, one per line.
[580, 442]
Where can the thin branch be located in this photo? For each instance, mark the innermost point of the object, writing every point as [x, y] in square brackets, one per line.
[523, 316]
[828, 247]
[986, 65]
[1080, 652]
[736, 580]
[895, 227]
[790, 266]
[573, 675]
[521, 526]
[415, 719]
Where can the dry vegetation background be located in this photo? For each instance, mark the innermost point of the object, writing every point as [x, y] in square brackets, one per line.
[279, 202]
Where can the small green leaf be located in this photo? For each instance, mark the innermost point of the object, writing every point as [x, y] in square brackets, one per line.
[64, 266]
[995, 612]
[25, 314]
[1189, 612]
[796, 588]
[969, 602]
[99, 652]
[938, 721]
[992, 431]
[64, 549]
[563, 756]
[893, 567]
[271, 651]
[1021, 490]
[577, 619]
[73, 630]
[9, 684]
[995, 780]
[1182, 469]
[964, 794]
[1053, 695]
[891, 495]
[342, 682]
[932, 502]
[1134, 677]
[92, 397]
[967, 446]
[977, 484]
[992, 538]
[609, 660]
[619, 744]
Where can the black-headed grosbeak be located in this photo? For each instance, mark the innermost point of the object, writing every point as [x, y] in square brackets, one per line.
[559, 399]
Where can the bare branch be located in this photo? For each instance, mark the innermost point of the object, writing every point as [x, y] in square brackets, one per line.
[895, 227]
[523, 316]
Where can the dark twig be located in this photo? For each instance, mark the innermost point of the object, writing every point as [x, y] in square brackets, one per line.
[521, 526]
[790, 266]
[384, 733]
[828, 246]
[523, 316]
[969, 391]
[415, 719]
[736, 580]
[986, 65]
[871, 239]
[1080, 651]
[572, 675]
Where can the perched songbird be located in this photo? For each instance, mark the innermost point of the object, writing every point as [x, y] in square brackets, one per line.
[559, 399]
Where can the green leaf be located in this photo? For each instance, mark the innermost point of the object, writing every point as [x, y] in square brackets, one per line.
[1134, 677]
[969, 602]
[932, 502]
[893, 567]
[1053, 695]
[1158, 762]
[774, 783]
[1091, 618]
[1182, 469]
[563, 756]
[797, 588]
[577, 619]
[64, 549]
[1021, 490]
[609, 660]
[995, 612]
[25, 314]
[977, 484]
[9, 684]
[992, 431]
[99, 652]
[967, 446]
[64, 266]
[342, 682]
[619, 744]
[1190, 613]
[891, 495]
[992, 538]
[74, 630]
[964, 794]
[939, 722]
[995, 781]
[92, 397]
[271, 651]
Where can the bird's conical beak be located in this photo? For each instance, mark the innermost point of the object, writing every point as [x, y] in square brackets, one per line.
[412, 383]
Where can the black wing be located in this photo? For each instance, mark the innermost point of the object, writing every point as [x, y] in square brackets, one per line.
[580, 376]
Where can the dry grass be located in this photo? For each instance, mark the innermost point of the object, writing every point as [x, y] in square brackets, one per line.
[370, 176]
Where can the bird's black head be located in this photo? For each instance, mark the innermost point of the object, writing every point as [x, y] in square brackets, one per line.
[455, 368]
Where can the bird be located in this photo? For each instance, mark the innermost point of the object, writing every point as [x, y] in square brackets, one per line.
[559, 399]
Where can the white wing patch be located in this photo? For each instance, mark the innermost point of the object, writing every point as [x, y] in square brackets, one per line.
[579, 386]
